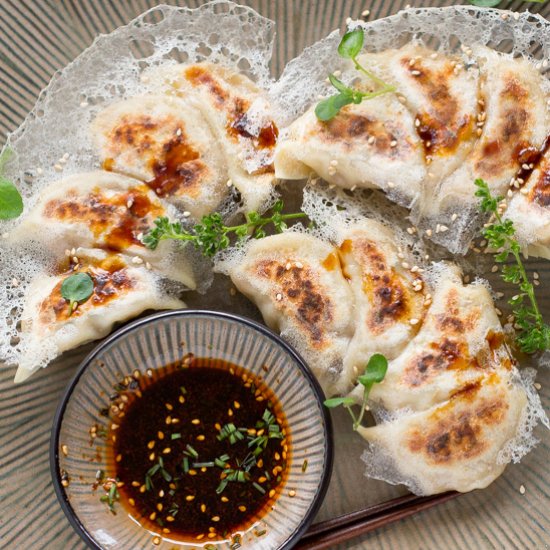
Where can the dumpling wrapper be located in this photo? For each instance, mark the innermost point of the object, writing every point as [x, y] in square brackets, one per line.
[530, 211]
[459, 343]
[385, 301]
[370, 145]
[441, 96]
[104, 210]
[516, 120]
[296, 282]
[453, 445]
[121, 291]
[167, 143]
[239, 116]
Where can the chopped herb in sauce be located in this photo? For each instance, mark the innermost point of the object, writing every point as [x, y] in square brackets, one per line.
[200, 450]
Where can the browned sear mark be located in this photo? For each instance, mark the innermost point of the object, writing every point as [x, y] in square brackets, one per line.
[108, 218]
[109, 283]
[457, 435]
[298, 287]
[442, 130]
[390, 300]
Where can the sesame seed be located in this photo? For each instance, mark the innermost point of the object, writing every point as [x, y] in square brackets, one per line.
[215, 518]
[65, 450]
[393, 143]
[195, 421]
[242, 508]
[272, 493]
[279, 297]
[391, 185]
[201, 438]
[152, 516]
[39, 171]
[57, 167]
[229, 183]
[137, 260]
[454, 217]
[166, 450]
[156, 541]
[203, 508]
[292, 493]
[405, 265]
[417, 123]
[160, 435]
[333, 162]
[186, 214]
[516, 16]
[152, 456]
[199, 537]
[494, 269]
[365, 13]
[504, 16]
[429, 232]
[15, 282]
[537, 386]
[522, 489]
[159, 506]
[224, 499]
[535, 275]
[413, 321]
[443, 228]
[370, 141]
[331, 171]
[416, 73]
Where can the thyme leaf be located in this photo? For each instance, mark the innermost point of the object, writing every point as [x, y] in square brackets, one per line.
[533, 334]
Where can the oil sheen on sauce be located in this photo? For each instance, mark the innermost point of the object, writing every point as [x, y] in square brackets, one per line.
[201, 448]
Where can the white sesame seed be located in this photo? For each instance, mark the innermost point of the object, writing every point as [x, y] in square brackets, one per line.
[522, 489]
[405, 265]
[434, 55]
[427, 257]
[510, 193]
[417, 122]
[504, 16]
[331, 171]
[279, 297]
[288, 266]
[186, 214]
[437, 227]
[416, 73]
[365, 13]
[331, 186]
[499, 313]
[348, 20]
[414, 269]
[393, 143]
[229, 183]
[353, 188]
[144, 78]
[148, 265]
[516, 16]
[57, 167]
[178, 132]
[39, 171]
[536, 282]
[537, 386]
[299, 265]
[337, 73]
[400, 255]
[401, 98]
[137, 260]
[429, 232]
[333, 162]
[391, 185]
[413, 321]
[454, 217]
[15, 282]
[130, 203]
[535, 275]
[370, 141]
[443, 228]
[75, 259]
[410, 230]
[499, 295]
[73, 251]
[83, 103]
[494, 269]
[524, 191]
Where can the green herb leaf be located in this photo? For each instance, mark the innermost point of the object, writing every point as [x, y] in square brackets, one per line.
[328, 108]
[375, 371]
[11, 202]
[351, 44]
[337, 401]
[210, 236]
[485, 3]
[76, 289]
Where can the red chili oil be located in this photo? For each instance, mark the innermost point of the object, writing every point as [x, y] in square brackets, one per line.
[190, 451]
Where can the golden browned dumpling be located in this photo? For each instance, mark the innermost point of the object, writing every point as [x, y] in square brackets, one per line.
[297, 283]
[239, 116]
[389, 298]
[371, 145]
[104, 210]
[167, 143]
[121, 291]
[453, 445]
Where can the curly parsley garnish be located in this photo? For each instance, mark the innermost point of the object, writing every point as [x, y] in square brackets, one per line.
[533, 334]
[375, 372]
[211, 235]
[349, 48]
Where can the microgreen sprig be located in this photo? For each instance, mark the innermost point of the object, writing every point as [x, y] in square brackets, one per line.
[111, 497]
[11, 202]
[76, 289]
[375, 372]
[349, 48]
[211, 235]
[533, 333]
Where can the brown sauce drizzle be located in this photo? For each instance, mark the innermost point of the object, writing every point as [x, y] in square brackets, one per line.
[173, 418]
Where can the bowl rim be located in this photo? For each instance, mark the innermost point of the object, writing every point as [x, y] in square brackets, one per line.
[88, 360]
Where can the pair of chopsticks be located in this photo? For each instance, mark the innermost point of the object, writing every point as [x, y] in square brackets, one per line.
[334, 531]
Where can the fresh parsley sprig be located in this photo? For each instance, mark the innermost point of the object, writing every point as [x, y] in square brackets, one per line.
[533, 334]
[374, 374]
[349, 48]
[211, 235]
[11, 202]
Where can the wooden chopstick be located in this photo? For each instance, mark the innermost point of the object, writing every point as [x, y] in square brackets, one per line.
[337, 530]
